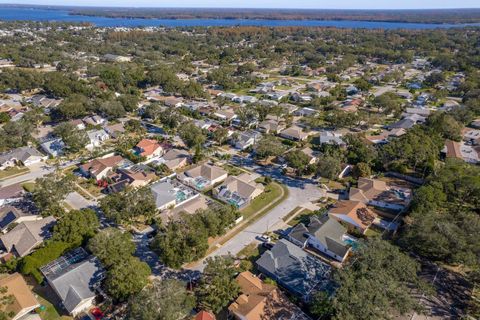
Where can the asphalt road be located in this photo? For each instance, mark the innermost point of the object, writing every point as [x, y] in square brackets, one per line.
[300, 192]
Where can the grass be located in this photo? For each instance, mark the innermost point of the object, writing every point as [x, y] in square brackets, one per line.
[272, 191]
[91, 188]
[249, 251]
[302, 216]
[49, 313]
[232, 170]
[373, 232]
[291, 214]
[13, 172]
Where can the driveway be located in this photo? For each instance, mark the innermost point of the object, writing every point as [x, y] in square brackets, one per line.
[77, 201]
[301, 191]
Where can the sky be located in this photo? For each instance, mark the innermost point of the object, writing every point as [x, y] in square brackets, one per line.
[318, 4]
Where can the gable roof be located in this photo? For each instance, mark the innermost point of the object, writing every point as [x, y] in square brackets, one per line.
[354, 213]
[21, 154]
[96, 166]
[148, 146]
[294, 269]
[27, 235]
[378, 190]
[23, 298]
[9, 214]
[206, 171]
[204, 315]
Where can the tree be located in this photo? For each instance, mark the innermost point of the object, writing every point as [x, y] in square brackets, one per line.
[220, 135]
[75, 106]
[445, 125]
[191, 135]
[329, 167]
[361, 170]
[162, 300]
[129, 102]
[218, 286]
[5, 301]
[129, 205]
[51, 190]
[298, 160]
[377, 282]
[359, 151]
[268, 146]
[4, 117]
[321, 306]
[76, 227]
[126, 278]
[389, 103]
[112, 109]
[74, 139]
[111, 246]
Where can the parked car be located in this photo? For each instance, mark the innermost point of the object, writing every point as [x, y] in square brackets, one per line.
[264, 238]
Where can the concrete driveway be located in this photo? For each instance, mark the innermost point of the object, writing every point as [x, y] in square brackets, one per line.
[77, 201]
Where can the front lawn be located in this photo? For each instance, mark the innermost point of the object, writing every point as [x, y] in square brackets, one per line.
[12, 172]
[268, 197]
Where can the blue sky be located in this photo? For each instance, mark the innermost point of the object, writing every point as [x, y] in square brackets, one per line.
[320, 4]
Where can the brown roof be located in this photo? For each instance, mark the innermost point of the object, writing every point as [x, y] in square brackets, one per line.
[204, 315]
[453, 149]
[368, 189]
[98, 165]
[138, 175]
[354, 213]
[16, 287]
[261, 301]
[206, 171]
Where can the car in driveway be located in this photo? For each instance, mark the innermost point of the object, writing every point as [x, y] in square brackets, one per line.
[264, 238]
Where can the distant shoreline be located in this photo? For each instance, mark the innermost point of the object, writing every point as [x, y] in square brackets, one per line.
[424, 16]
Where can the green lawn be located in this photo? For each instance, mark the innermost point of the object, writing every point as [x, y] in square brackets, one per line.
[373, 232]
[272, 191]
[28, 186]
[232, 170]
[11, 172]
[303, 216]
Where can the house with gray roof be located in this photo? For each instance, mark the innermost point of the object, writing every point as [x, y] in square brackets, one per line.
[26, 156]
[27, 235]
[11, 215]
[295, 270]
[54, 148]
[170, 194]
[324, 234]
[75, 277]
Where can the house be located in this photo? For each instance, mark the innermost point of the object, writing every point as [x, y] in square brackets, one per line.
[96, 137]
[377, 193]
[311, 154]
[261, 301]
[271, 126]
[329, 137]
[137, 176]
[75, 277]
[190, 207]
[149, 148]
[99, 168]
[115, 130]
[94, 120]
[324, 234]
[116, 58]
[225, 115]
[305, 112]
[460, 150]
[294, 133]
[203, 177]
[168, 194]
[246, 139]
[54, 148]
[295, 270]
[11, 216]
[78, 124]
[355, 214]
[19, 294]
[11, 193]
[26, 156]
[205, 315]
[239, 190]
[26, 236]
[175, 159]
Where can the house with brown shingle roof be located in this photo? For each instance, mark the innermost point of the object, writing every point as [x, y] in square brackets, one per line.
[99, 168]
[294, 133]
[261, 301]
[239, 190]
[203, 176]
[377, 193]
[354, 214]
[22, 299]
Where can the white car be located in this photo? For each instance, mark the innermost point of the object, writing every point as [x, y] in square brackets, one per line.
[264, 238]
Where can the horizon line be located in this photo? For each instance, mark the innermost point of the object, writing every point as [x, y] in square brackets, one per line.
[233, 8]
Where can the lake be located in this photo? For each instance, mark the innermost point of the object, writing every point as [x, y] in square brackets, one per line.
[38, 14]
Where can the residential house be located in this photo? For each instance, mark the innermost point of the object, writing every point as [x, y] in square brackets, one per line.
[239, 190]
[116, 58]
[354, 214]
[205, 315]
[11, 193]
[324, 234]
[305, 112]
[294, 133]
[19, 294]
[175, 159]
[94, 120]
[377, 193]
[190, 207]
[169, 194]
[26, 236]
[149, 148]
[246, 139]
[329, 137]
[26, 156]
[100, 167]
[203, 177]
[54, 148]
[78, 124]
[271, 126]
[75, 277]
[311, 154]
[97, 138]
[115, 130]
[226, 115]
[295, 270]
[460, 150]
[11, 216]
[261, 301]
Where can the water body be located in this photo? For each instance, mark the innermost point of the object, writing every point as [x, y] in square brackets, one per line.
[38, 14]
